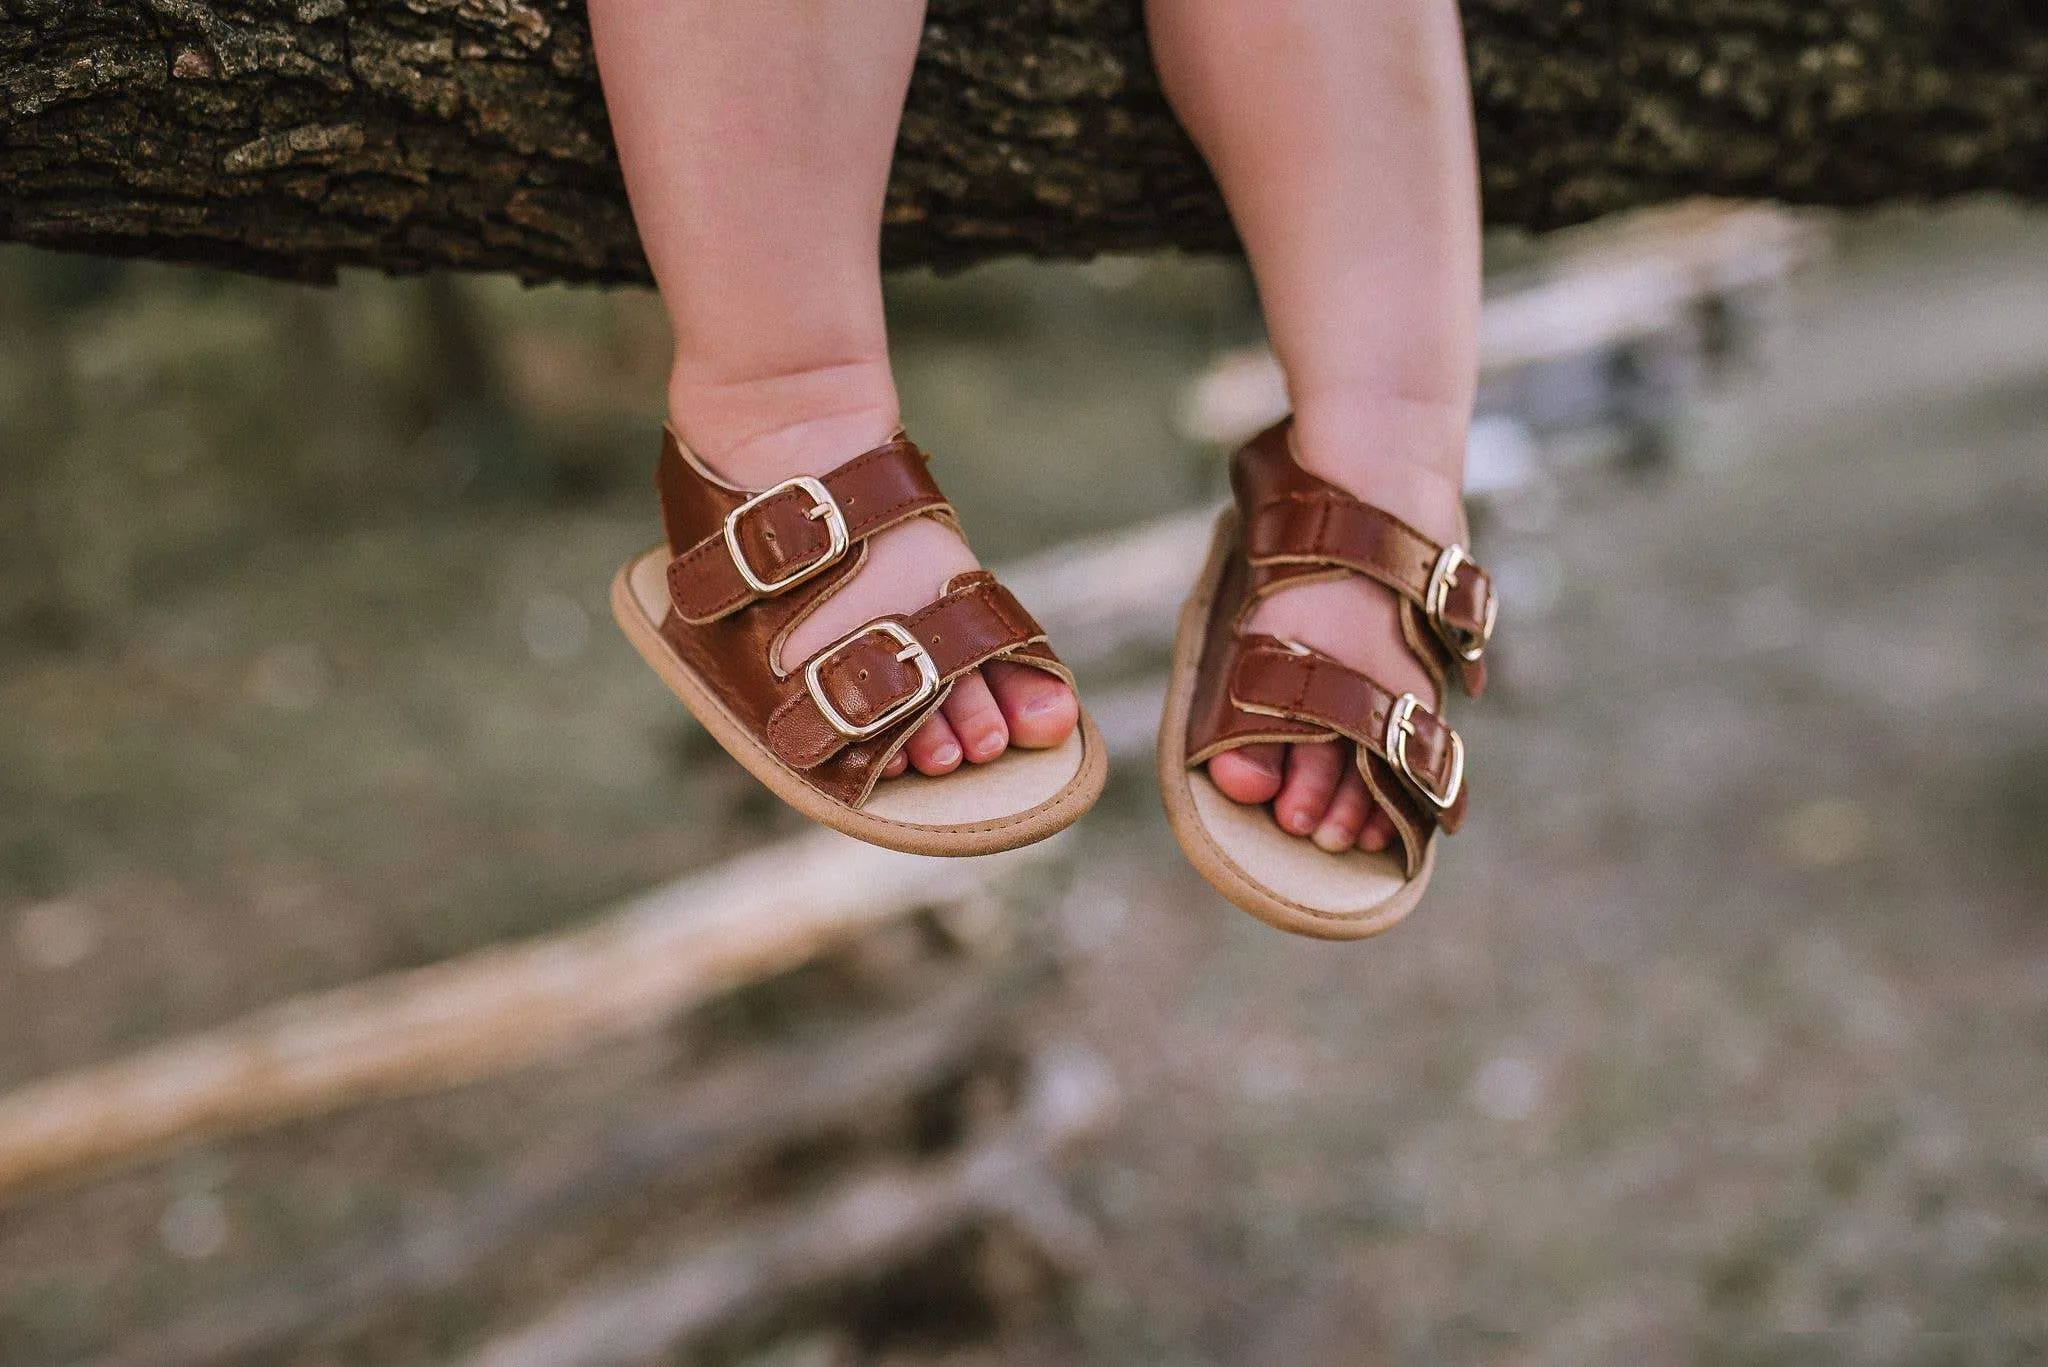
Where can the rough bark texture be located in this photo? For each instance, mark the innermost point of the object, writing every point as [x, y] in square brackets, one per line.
[290, 137]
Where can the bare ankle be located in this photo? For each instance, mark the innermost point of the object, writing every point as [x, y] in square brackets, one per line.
[758, 429]
[1405, 453]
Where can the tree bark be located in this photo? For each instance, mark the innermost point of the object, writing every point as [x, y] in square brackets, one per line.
[291, 137]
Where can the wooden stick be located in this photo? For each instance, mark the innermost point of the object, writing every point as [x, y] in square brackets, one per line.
[866, 1223]
[1099, 598]
[487, 1012]
[507, 1007]
[1604, 285]
[745, 1108]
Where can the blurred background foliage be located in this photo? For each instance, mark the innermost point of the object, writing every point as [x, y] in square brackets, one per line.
[1726, 1041]
[298, 577]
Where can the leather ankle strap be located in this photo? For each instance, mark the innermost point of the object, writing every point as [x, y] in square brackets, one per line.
[768, 542]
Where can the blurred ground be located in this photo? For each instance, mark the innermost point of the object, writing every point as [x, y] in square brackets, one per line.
[1723, 1039]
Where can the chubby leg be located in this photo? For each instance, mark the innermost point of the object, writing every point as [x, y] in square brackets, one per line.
[1341, 134]
[756, 141]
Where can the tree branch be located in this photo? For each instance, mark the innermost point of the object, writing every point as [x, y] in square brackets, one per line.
[291, 137]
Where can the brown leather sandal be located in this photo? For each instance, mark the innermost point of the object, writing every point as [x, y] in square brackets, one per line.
[1231, 689]
[712, 608]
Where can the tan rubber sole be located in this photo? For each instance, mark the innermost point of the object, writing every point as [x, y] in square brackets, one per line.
[1018, 799]
[1284, 880]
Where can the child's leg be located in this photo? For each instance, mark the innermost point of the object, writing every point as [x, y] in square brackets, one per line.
[1341, 134]
[756, 140]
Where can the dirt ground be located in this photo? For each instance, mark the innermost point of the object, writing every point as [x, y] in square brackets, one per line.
[1723, 1038]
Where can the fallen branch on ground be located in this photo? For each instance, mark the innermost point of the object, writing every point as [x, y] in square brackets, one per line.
[488, 1012]
[746, 1108]
[629, 970]
[859, 1227]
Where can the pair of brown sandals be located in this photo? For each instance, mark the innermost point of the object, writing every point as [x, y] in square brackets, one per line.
[711, 609]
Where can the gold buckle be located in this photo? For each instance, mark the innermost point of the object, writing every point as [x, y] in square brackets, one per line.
[913, 649]
[1466, 645]
[823, 505]
[1400, 726]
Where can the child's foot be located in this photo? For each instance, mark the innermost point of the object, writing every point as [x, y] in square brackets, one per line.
[989, 710]
[1316, 790]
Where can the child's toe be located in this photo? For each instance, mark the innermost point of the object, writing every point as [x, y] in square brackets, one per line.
[1040, 708]
[1378, 832]
[933, 748]
[975, 718]
[1251, 774]
[1340, 826]
[1312, 775]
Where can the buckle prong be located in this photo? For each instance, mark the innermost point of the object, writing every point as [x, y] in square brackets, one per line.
[823, 505]
[912, 649]
[1400, 726]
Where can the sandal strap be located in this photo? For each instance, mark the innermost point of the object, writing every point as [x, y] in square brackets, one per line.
[748, 568]
[1296, 524]
[1329, 527]
[787, 534]
[1252, 688]
[1275, 678]
[893, 671]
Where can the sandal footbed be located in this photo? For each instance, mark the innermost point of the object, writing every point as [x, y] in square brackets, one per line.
[1021, 797]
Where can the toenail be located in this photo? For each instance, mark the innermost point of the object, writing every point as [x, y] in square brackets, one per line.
[1042, 707]
[948, 753]
[1298, 822]
[989, 744]
[1330, 839]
